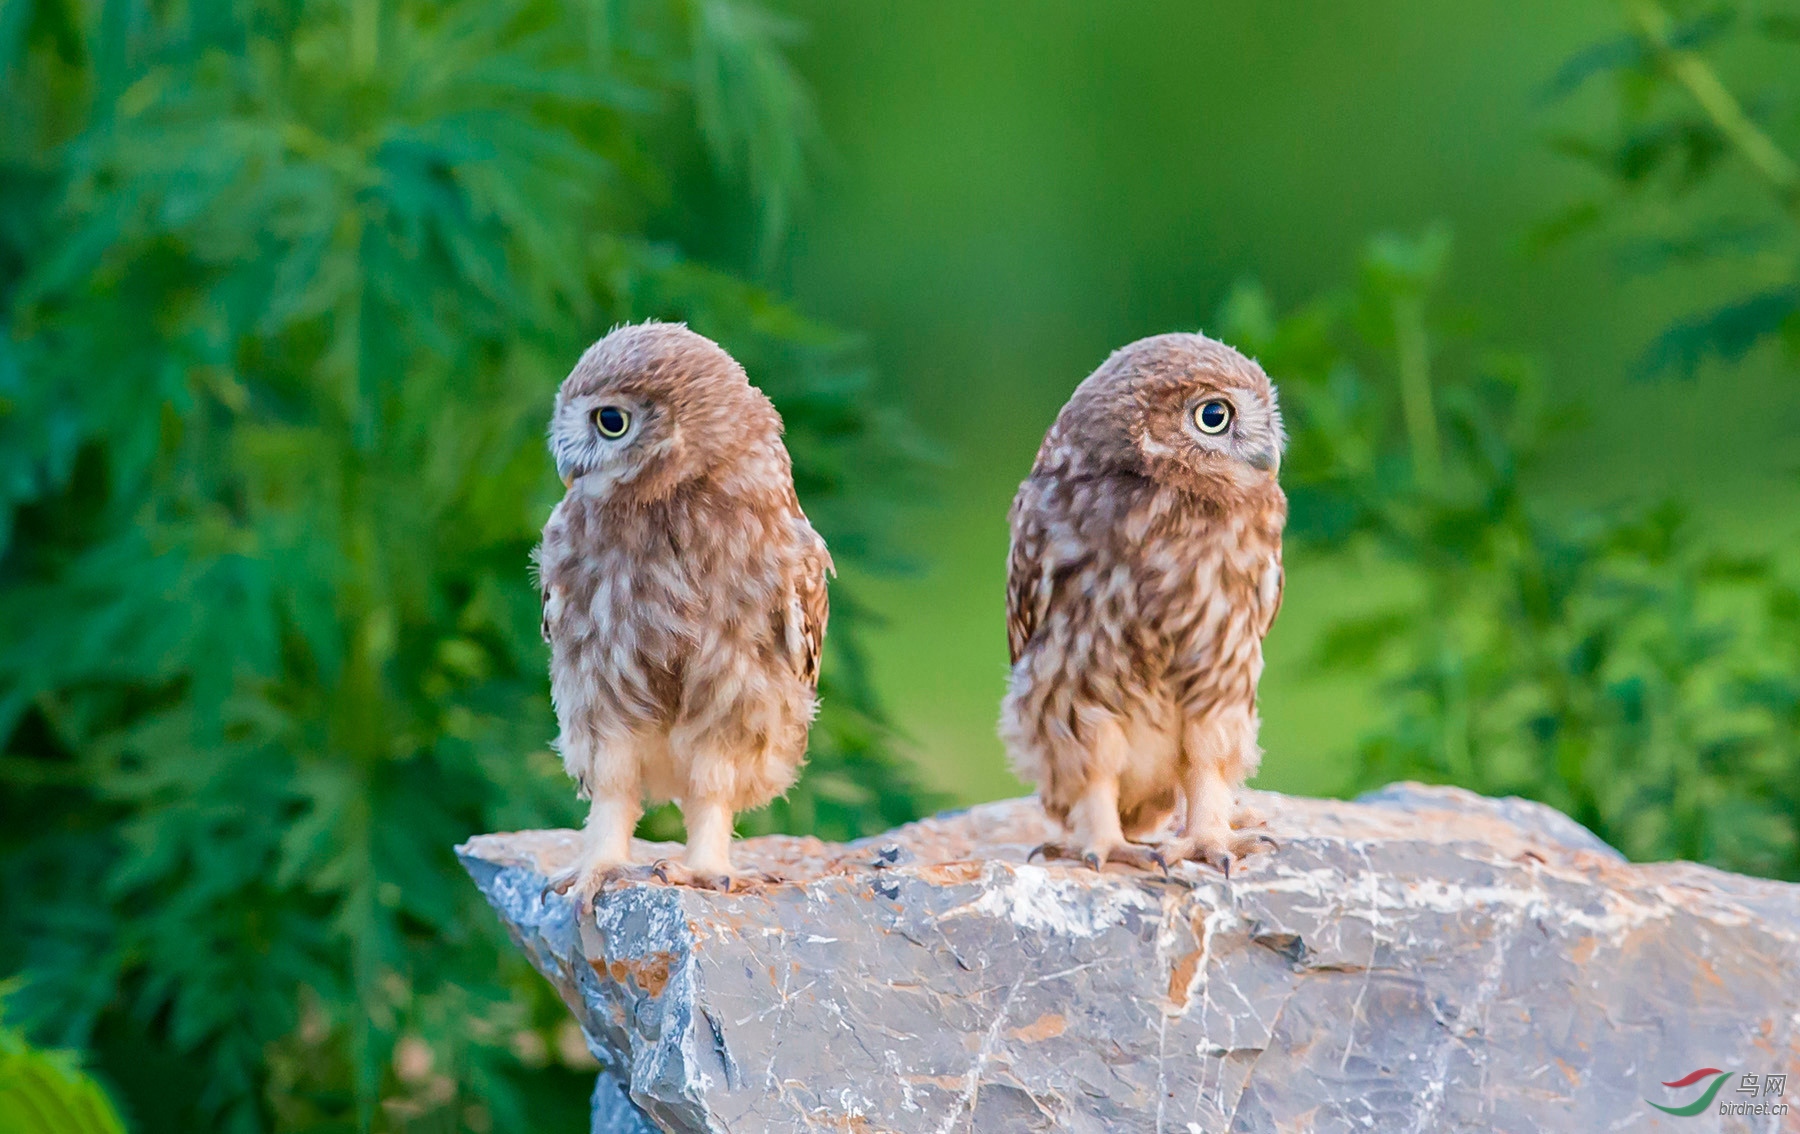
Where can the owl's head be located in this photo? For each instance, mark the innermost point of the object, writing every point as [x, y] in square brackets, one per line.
[1181, 409]
[652, 406]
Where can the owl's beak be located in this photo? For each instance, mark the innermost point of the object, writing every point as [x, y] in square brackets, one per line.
[1268, 460]
[568, 480]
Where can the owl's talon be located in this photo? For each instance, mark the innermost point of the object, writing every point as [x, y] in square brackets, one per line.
[1145, 858]
[587, 882]
[1095, 858]
[1223, 852]
[565, 879]
[673, 873]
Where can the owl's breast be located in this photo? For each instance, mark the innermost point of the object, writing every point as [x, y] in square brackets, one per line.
[1211, 592]
[656, 603]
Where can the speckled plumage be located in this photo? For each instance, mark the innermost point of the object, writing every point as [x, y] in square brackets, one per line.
[1145, 571]
[684, 597]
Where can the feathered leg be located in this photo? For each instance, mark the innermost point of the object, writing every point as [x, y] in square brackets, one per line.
[713, 778]
[1216, 754]
[614, 807]
[1094, 824]
[605, 849]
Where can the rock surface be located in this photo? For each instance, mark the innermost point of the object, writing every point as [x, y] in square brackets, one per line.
[1423, 959]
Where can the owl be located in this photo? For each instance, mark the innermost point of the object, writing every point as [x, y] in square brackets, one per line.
[1145, 570]
[684, 600]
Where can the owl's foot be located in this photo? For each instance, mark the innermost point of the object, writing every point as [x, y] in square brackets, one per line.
[589, 881]
[1131, 854]
[1221, 851]
[728, 880]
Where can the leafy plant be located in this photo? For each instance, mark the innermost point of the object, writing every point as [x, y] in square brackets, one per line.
[1609, 664]
[47, 1092]
[287, 291]
[1695, 174]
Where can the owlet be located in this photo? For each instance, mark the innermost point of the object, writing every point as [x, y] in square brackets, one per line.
[684, 599]
[1145, 571]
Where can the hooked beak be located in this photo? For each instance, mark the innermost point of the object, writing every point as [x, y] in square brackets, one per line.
[1268, 460]
[568, 481]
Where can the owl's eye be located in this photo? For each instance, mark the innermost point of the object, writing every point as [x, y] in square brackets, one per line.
[612, 422]
[1212, 417]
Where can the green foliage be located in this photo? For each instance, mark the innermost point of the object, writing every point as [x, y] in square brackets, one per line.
[47, 1092]
[287, 289]
[1608, 664]
[1694, 175]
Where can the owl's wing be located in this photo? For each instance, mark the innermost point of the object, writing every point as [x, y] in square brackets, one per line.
[539, 576]
[1027, 586]
[810, 606]
[1270, 589]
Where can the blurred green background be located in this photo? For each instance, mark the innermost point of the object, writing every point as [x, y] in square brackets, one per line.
[1015, 191]
[286, 290]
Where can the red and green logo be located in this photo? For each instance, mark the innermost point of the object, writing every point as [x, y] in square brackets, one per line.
[1688, 1080]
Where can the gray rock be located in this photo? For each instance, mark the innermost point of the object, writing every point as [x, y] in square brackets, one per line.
[1423, 960]
[1525, 814]
[614, 1112]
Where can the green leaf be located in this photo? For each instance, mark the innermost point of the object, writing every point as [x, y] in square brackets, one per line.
[46, 1092]
[1727, 333]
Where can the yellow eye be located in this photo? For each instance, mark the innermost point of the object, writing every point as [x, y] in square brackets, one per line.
[612, 422]
[1212, 417]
